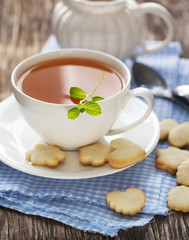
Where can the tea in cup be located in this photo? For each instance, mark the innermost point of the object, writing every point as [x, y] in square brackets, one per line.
[41, 85]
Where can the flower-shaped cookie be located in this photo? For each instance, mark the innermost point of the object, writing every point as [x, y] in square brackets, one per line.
[170, 158]
[95, 154]
[42, 155]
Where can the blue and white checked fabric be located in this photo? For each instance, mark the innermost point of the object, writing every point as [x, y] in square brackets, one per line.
[82, 203]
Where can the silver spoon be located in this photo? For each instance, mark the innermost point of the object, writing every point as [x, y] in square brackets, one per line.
[145, 76]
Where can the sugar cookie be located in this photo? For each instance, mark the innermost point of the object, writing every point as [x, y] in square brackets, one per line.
[166, 125]
[183, 173]
[95, 154]
[125, 153]
[170, 158]
[45, 155]
[178, 198]
[129, 202]
[179, 136]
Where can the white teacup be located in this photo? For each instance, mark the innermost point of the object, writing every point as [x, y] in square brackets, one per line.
[50, 120]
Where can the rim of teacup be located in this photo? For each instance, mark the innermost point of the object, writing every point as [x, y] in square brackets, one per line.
[42, 57]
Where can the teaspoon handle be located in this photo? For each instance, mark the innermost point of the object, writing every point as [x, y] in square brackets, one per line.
[181, 99]
[165, 93]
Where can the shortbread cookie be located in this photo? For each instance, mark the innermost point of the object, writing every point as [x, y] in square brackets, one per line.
[46, 155]
[170, 158]
[179, 136]
[178, 199]
[166, 125]
[183, 173]
[129, 202]
[95, 154]
[125, 153]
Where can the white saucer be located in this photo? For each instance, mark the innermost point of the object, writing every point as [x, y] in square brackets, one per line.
[16, 137]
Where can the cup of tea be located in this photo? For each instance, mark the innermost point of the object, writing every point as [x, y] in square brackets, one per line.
[41, 85]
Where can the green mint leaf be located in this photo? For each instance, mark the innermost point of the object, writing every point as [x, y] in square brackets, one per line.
[97, 98]
[73, 113]
[92, 108]
[77, 93]
[81, 108]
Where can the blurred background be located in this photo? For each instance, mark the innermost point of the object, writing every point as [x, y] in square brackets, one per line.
[25, 26]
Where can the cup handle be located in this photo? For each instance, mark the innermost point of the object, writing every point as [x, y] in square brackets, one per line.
[137, 92]
[162, 12]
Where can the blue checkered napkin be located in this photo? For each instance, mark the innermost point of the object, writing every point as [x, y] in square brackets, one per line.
[82, 203]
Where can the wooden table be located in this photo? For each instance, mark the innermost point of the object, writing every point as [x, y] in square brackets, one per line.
[24, 28]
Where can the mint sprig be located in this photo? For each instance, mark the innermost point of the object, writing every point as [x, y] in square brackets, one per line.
[90, 107]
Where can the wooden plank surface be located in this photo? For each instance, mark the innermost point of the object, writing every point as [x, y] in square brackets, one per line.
[24, 28]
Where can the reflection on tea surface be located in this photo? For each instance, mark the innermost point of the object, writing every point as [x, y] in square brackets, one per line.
[51, 81]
